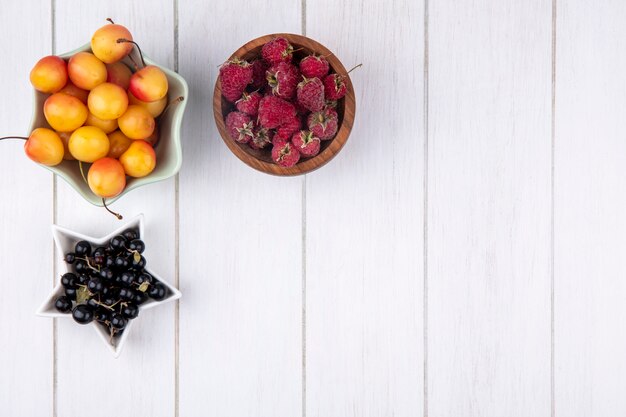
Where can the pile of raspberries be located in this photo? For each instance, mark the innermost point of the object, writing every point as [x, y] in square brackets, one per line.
[288, 105]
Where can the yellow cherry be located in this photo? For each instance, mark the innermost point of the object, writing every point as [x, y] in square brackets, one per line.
[136, 123]
[149, 84]
[107, 126]
[65, 138]
[139, 159]
[74, 91]
[86, 71]
[155, 108]
[105, 46]
[49, 74]
[118, 73]
[107, 101]
[106, 177]
[118, 143]
[44, 146]
[64, 113]
[88, 144]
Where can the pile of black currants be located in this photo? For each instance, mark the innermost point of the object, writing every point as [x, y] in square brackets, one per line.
[108, 283]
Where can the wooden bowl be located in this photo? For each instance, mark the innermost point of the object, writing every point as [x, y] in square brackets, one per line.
[261, 159]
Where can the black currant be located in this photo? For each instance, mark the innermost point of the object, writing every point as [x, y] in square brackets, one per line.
[117, 242]
[101, 315]
[93, 303]
[127, 294]
[63, 304]
[95, 285]
[127, 278]
[107, 274]
[82, 248]
[82, 314]
[70, 293]
[137, 245]
[140, 297]
[137, 265]
[131, 234]
[68, 280]
[81, 266]
[120, 262]
[70, 258]
[118, 321]
[157, 291]
[144, 277]
[109, 261]
[130, 311]
[83, 278]
[109, 301]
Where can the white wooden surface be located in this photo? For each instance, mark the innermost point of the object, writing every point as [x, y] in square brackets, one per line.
[462, 256]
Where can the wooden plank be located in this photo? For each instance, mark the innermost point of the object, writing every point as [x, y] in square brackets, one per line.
[590, 233]
[141, 381]
[364, 221]
[25, 215]
[240, 239]
[489, 217]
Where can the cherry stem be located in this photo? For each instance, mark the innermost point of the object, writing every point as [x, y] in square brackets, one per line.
[82, 173]
[110, 20]
[104, 203]
[14, 137]
[134, 62]
[122, 40]
[174, 101]
[353, 68]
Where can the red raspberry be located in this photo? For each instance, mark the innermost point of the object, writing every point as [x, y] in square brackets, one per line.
[306, 143]
[274, 111]
[311, 94]
[287, 129]
[334, 86]
[314, 66]
[258, 74]
[262, 138]
[283, 79]
[249, 103]
[240, 126]
[277, 50]
[235, 75]
[285, 154]
[323, 123]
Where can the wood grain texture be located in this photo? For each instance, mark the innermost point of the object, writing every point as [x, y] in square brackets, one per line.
[590, 202]
[261, 159]
[141, 381]
[26, 348]
[241, 242]
[489, 208]
[364, 218]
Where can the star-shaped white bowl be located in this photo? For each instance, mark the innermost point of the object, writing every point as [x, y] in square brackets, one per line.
[65, 240]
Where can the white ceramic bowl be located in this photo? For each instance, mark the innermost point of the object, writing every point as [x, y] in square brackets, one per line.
[65, 240]
[168, 151]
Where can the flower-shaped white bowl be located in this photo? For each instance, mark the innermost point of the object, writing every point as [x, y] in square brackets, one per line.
[168, 151]
[65, 240]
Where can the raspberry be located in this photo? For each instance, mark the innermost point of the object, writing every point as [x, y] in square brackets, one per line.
[285, 154]
[323, 123]
[235, 75]
[277, 50]
[274, 111]
[240, 126]
[287, 129]
[314, 66]
[262, 138]
[334, 86]
[249, 103]
[306, 143]
[311, 94]
[258, 74]
[283, 79]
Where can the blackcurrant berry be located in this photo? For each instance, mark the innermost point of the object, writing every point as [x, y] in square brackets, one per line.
[93, 303]
[109, 261]
[81, 266]
[83, 248]
[131, 234]
[63, 304]
[70, 258]
[68, 280]
[120, 262]
[118, 321]
[101, 315]
[109, 301]
[137, 245]
[127, 278]
[137, 265]
[70, 293]
[117, 242]
[157, 291]
[130, 311]
[83, 278]
[95, 285]
[127, 294]
[107, 274]
[144, 277]
[82, 314]
[140, 297]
